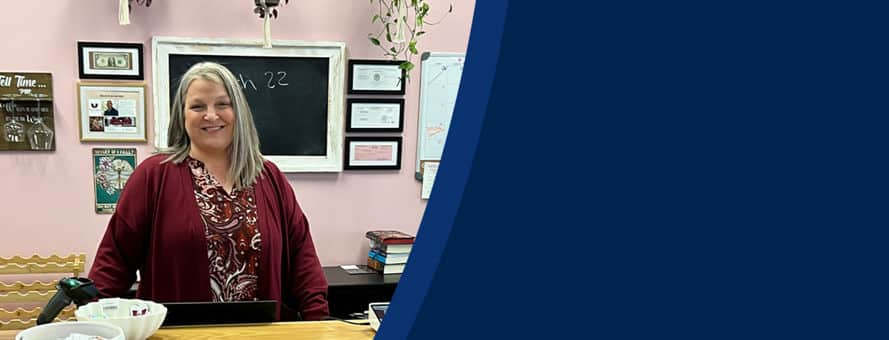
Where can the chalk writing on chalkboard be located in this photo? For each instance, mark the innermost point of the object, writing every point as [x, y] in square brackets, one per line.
[291, 117]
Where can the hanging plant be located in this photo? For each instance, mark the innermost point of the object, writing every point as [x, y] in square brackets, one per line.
[267, 9]
[146, 3]
[402, 24]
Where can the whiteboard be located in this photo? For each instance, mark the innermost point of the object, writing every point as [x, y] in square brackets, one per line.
[440, 74]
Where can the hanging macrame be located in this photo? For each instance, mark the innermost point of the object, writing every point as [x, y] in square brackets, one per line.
[125, 6]
[123, 12]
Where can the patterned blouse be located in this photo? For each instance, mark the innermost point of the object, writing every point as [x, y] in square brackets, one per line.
[233, 238]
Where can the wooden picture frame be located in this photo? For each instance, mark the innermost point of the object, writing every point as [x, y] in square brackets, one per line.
[374, 115]
[373, 153]
[111, 112]
[107, 60]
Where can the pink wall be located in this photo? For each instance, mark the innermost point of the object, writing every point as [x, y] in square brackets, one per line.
[47, 201]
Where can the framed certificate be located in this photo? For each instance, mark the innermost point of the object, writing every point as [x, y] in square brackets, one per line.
[375, 115]
[373, 153]
[100, 60]
[111, 112]
[376, 77]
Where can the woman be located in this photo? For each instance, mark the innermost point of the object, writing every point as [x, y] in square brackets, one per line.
[208, 219]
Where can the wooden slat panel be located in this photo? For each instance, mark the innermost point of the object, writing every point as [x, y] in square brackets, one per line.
[30, 296]
[20, 286]
[20, 313]
[17, 324]
[73, 258]
[36, 268]
[73, 263]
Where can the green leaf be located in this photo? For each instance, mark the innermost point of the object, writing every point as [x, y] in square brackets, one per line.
[374, 41]
[407, 66]
[375, 18]
[414, 3]
[412, 46]
[393, 50]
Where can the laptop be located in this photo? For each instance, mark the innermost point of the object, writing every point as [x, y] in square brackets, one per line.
[208, 313]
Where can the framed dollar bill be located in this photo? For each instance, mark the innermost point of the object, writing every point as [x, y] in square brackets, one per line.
[112, 168]
[103, 60]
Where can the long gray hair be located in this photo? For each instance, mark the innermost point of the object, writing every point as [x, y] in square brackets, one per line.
[246, 159]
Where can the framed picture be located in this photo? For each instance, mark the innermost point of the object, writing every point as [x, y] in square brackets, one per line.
[111, 170]
[100, 60]
[373, 153]
[374, 115]
[375, 77]
[111, 112]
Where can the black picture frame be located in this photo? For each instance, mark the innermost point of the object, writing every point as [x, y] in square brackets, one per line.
[352, 101]
[395, 64]
[348, 165]
[129, 57]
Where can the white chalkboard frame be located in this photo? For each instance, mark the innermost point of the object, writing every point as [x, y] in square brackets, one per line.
[162, 47]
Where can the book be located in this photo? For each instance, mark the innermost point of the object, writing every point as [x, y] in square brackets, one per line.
[394, 258]
[375, 264]
[388, 237]
[391, 248]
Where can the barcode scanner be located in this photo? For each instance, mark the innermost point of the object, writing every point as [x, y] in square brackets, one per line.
[70, 289]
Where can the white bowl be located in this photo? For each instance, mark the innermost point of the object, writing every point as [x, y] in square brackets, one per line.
[61, 330]
[118, 312]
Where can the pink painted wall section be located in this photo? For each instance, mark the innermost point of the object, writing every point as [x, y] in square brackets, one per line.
[47, 198]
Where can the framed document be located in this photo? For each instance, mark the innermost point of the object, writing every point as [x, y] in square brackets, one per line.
[99, 60]
[375, 115]
[373, 153]
[111, 112]
[376, 77]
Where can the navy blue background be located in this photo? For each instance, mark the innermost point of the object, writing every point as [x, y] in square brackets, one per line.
[661, 170]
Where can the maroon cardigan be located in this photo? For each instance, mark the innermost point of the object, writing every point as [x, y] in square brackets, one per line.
[157, 229]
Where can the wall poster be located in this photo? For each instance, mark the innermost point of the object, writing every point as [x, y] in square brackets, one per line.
[111, 169]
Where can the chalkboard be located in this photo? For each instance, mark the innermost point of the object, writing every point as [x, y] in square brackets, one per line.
[294, 90]
[288, 98]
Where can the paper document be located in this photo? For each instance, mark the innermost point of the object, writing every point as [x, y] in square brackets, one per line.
[430, 169]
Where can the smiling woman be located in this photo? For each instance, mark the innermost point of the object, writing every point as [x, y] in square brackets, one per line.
[211, 214]
[209, 122]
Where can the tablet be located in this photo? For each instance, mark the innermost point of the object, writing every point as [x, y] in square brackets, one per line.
[375, 313]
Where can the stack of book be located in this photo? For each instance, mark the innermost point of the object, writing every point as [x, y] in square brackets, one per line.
[389, 250]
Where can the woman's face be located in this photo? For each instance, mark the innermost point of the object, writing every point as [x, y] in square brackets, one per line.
[209, 117]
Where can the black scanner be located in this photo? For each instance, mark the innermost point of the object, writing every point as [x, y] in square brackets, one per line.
[70, 289]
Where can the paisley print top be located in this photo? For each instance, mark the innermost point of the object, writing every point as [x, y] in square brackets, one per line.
[233, 238]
